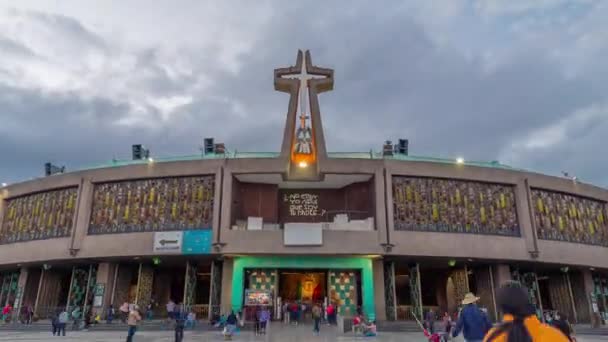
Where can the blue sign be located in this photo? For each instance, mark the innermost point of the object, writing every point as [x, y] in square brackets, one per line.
[197, 241]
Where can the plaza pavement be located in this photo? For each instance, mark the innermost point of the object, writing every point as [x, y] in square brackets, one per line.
[279, 333]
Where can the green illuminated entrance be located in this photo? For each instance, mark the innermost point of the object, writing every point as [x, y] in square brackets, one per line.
[362, 264]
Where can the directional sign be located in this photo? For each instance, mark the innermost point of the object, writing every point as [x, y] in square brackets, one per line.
[197, 241]
[168, 242]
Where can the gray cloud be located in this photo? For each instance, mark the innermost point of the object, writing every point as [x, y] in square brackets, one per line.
[394, 78]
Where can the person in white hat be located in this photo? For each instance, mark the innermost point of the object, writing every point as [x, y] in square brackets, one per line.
[473, 322]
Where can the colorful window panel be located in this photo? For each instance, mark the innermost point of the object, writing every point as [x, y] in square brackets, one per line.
[570, 218]
[445, 205]
[158, 204]
[39, 216]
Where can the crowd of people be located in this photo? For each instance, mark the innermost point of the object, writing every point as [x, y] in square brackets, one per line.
[519, 324]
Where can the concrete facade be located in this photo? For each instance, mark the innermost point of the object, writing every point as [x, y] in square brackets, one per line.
[381, 242]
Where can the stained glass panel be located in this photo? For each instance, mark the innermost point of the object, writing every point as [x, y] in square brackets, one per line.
[156, 204]
[446, 205]
[39, 216]
[570, 218]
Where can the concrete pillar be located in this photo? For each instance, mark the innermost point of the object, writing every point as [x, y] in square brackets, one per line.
[217, 203]
[380, 206]
[525, 216]
[226, 200]
[104, 284]
[82, 214]
[502, 274]
[379, 299]
[227, 285]
[589, 289]
[21, 282]
[3, 204]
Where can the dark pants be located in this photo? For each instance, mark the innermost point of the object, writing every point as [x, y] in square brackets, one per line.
[179, 333]
[132, 330]
[59, 329]
[317, 322]
[263, 327]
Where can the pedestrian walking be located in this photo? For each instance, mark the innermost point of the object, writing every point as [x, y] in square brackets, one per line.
[6, 312]
[331, 313]
[110, 314]
[560, 321]
[149, 310]
[180, 322]
[230, 328]
[473, 322]
[170, 309]
[63, 319]
[317, 312]
[286, 313]
[132, 321]
[264, 319]
[76, 316]
[429, 321]
[55, 321]
[191, 320]
[520, 323]
[124, 312]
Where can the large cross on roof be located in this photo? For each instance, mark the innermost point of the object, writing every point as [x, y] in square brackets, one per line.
[303, 139]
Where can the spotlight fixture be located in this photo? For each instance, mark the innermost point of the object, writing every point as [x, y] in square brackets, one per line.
[151, 160]
[459, 160]
[140, 152]
[51, 169]
[302, 164]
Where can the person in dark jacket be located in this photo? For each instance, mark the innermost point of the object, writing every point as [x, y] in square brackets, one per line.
[560, 321]
[180, 322]
[473, 322]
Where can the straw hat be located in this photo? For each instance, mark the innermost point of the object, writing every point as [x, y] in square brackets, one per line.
[469, 298]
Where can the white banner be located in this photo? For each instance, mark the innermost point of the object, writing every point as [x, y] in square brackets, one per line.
[303, 234]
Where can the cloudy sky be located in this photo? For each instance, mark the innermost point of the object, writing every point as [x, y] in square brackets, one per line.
[523, 82]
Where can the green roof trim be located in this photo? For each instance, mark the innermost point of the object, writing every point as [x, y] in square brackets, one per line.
[270, 155]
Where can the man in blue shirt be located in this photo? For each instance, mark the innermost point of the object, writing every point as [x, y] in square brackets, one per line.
[473, 322]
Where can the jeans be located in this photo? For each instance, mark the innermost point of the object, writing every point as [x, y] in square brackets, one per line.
[60, 329]
[179, 333]
[316, 327]
[132, 330]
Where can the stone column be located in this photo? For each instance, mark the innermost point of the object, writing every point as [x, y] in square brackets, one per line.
[588, 288]
[218, 195]
[104, 278]
[525, 216]
[378, 269]
[380, 206]
[3, 205]
[502, 274]
[226, 200]
[227, 269]
[82, 215]
[21, 283]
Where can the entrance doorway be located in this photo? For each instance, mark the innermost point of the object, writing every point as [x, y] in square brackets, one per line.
[307, 287]
[168, 284]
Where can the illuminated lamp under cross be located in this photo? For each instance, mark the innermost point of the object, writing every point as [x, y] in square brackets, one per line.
[304, 144]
